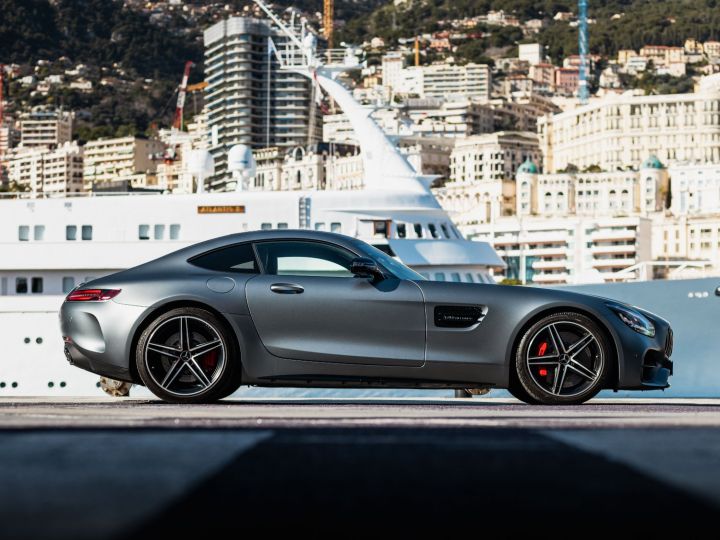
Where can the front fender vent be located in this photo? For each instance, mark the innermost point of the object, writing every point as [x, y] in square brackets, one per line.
[458, 316]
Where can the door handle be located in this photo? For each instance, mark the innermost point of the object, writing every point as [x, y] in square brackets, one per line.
[286, 288]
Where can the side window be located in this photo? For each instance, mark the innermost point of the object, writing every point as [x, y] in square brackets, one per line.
[87, 232]
[418, 230]
[300, 258]
[71, 232]
[401, 230]
[239, 259]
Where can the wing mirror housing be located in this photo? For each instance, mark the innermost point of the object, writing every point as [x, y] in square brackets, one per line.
[364, 267]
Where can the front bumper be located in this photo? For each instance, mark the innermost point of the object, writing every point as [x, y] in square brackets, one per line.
[651, 366]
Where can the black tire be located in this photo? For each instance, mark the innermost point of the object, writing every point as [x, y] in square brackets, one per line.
[163, 355]
[567, 374]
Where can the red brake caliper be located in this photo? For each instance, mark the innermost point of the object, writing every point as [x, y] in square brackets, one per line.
[208, 361]
[541, 352]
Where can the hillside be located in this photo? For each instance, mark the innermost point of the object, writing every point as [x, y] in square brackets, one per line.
[662, 22]
[117, 41]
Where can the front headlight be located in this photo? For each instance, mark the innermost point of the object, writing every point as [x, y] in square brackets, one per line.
[634, 319]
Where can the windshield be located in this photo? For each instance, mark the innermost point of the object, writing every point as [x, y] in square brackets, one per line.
[398, 269]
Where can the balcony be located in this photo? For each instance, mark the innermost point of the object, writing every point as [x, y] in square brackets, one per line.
[547, 279]
[613, 263]
[562, 264]
[599, 249]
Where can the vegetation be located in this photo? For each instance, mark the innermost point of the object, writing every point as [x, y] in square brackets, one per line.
[640, 22]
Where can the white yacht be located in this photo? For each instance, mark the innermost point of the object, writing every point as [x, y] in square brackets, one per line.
[49, 245]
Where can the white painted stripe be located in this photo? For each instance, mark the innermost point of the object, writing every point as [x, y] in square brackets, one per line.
[98, 484]
[686, 459]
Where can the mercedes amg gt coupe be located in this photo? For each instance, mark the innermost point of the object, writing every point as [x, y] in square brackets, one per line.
[307, 308]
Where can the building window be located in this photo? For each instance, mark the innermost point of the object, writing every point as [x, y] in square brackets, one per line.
[21, 285]
[37, 285]
[401, 230]
[87, 232]
[68, 284]
[175, 232]
[144, 232]
[23, 233]
[39, 232]
[71, 232]
[159, 232]
[336, 227]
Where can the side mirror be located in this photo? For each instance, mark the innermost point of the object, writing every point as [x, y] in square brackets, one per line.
[366, 268]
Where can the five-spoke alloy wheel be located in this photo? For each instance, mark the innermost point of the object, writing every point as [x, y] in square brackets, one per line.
[187, 356]
[562, 359]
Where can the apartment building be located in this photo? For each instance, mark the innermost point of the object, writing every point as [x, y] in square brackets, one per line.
[249, 99]
[447, 81]
[130, 160]
[621, 130]
[45, 170]
[567, 250]
[45, 128]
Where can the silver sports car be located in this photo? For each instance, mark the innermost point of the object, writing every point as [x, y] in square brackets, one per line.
[304, 308]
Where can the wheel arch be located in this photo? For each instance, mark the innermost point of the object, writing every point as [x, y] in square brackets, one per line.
[552, 310]
[158, 310]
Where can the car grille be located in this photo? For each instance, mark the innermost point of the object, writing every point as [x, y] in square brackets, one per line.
[669, 343]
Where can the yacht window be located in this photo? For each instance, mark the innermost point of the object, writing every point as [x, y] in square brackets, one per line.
[87, 232]
[159, 232]
[239, 258]
[426, 275]
[143, 232]
[300, 258]
[445, 230]
[469, 278]
[455, 277]
[88, 278]
[37, 285]
[418, 230]
[282, 226]
[71, 232]
[23, 233]
[3, 286]
[68, 284]
[320, 226]
[439, 276]
[336, 227]
[401, 230]
[266, 226]
[433, 230]
[481, 278]
[380, 228]
[39, 232]
[175, 232]
[457, 234]
[21, 286]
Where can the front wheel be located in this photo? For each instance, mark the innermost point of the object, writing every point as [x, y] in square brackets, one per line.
[563, 359]
[187, 355]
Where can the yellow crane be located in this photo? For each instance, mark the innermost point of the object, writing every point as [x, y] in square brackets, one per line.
[328, 21]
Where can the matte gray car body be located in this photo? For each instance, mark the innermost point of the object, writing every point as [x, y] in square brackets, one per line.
[342, 332]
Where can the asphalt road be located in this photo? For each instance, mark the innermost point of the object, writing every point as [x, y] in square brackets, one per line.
[133, 468]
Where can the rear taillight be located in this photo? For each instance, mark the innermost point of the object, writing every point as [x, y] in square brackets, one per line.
[92, 295]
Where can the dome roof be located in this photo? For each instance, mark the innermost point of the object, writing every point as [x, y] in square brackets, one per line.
[652, 162]
[528, 166]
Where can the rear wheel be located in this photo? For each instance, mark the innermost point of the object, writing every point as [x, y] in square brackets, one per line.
[188, 355]
[563, 359]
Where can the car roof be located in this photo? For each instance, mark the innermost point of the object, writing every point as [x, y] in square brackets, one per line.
[259, 236]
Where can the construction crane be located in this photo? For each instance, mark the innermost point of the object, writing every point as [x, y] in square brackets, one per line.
[182, 91]
[2, 97]
[583, 90]
[329, 21]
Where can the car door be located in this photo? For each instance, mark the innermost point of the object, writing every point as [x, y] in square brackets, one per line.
[308, 306]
